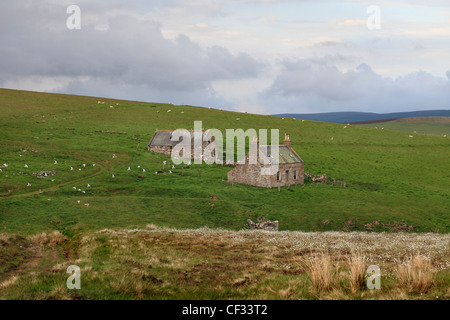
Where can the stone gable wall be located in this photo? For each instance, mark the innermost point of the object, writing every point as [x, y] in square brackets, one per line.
[251, 174]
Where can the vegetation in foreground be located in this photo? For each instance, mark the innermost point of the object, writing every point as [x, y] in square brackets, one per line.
[161, 263]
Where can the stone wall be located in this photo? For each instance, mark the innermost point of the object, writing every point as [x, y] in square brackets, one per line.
[167, 150]
[161, 149]
[263, 224]
[251, 174]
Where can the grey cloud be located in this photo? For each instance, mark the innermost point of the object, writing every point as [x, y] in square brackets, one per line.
[310, 85]
[132, 51]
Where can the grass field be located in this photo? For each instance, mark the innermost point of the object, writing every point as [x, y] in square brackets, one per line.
[79, 214]
[424, 125]
[401, 182]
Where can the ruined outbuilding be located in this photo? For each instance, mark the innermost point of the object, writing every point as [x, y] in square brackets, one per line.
[163, 142]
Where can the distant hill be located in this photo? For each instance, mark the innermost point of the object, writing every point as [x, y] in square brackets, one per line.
[345, 117]
[428, 125]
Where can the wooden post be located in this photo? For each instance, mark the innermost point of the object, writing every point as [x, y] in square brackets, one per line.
[279, 189]
[199, 172]
[182, 171]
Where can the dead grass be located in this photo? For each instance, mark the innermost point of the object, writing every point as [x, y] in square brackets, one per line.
[357, 267]
[53, 239]
[322, 273]
[159, 263]
[416, 274]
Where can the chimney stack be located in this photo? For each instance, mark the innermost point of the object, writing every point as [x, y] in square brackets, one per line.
[254, 150]
[287, 141]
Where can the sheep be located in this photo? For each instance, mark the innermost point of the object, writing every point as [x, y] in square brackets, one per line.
[71, 168]
[56, 162]
[26, 166]
[29, 184]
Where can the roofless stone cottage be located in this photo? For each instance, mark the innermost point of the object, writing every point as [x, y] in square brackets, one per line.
[162, 142]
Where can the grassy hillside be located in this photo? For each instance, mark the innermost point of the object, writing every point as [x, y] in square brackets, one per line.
[393, 182]
[426, 125]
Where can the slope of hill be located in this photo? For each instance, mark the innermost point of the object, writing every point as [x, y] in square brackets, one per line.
[349, 117]
[426, 125]
[393, 182]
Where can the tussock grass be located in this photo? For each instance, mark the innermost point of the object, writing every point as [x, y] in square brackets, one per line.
[357, 269]
[53, 239]
[416, 274]
[322, 273]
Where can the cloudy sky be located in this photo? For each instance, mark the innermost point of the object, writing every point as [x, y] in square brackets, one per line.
[259, 56]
